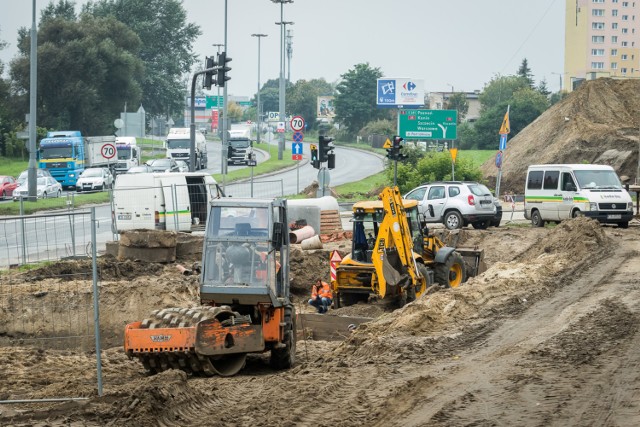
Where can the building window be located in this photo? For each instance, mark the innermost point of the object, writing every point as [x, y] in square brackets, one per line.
[614, 65]
[625, 17]
[597, 52]
[625, 31]
[623, 70]
[614, 52]
[598, 1]
[597, 12]
[614, 12]
[597, 65]
[614, 26]
[614, 39]
[597, 39]
[623, 57]
[597, 25]
[625, 4]
[624, 44]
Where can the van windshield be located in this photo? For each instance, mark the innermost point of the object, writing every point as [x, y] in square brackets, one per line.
[598, 179]
[172, 144]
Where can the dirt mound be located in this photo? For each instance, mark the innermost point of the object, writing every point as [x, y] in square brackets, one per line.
[597, 123]
[505, 286]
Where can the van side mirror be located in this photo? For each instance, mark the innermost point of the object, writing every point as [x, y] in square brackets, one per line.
[276, 239]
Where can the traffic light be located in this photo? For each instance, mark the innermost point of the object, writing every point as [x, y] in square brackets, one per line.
[393, 149]
[331, 162]
[325, 147]
[315, 161]
[208, 76]
[222, 70]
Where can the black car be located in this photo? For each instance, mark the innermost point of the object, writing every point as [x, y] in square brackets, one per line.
[164, 165]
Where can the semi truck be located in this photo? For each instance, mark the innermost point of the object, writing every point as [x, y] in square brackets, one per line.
[240, 147]
[128, 154]
[66, 154]
[178, 147]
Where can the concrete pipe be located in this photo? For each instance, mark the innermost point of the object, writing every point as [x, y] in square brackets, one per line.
[311, 243]
[301, 234]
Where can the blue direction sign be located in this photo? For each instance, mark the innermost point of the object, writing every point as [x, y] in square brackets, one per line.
[296, 151]
[499, 159]
[298, 137]
[503, 141]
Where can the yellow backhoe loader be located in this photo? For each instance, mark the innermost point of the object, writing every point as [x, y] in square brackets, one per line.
[393, 256]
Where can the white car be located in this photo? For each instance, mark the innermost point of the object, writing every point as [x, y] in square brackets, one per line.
[94, 179]
[46, 187]
[182, 166]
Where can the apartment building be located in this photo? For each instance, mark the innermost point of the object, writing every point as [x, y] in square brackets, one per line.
[602, 39]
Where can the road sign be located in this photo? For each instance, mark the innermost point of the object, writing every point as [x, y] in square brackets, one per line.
[297, 123]
[400, 93]
[296, 151]
[298, 136]
[499, 159]
[280, 128]
[108, 151]
[428, 124]
[273, 116]
[503, 141]
[454, 153]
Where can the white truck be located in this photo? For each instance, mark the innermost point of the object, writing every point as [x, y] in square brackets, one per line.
[178, 147]
[240, 147]
[128, 154]
[176, 201]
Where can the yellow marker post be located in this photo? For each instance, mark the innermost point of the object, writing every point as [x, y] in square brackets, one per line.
[454, 153]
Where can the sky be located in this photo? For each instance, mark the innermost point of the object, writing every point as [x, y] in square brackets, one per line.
[452, 45]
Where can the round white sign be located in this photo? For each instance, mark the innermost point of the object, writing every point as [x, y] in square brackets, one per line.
[297, 123]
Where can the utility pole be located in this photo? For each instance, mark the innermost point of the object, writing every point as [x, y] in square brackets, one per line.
[282, 119]
[258, 121]
[289, 53]
[33, 87]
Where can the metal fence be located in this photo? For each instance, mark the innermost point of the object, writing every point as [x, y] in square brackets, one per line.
[52, 307]
[258, 189]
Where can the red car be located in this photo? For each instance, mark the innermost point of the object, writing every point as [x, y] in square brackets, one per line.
[7, 185]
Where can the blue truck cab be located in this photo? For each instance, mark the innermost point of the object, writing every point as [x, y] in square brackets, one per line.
[63, 154]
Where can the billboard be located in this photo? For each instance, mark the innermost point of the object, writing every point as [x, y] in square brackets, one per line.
[326, 109]
[398, 93]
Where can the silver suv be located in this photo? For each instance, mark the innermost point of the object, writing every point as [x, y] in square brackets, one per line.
[456, 204]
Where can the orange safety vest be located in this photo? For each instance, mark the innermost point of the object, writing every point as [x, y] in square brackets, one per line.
[323, 292]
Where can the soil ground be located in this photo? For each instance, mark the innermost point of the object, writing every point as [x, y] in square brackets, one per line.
[548, 335]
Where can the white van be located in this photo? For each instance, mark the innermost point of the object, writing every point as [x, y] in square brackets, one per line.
[557, 192]
[163, 201]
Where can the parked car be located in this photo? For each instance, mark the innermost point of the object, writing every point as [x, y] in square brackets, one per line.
[163, 165]
[7, 185]
[24, 175]
[495, 222]
[94, 179]
[456, 204]
[140, 169]
[46, 187]
[182, 166]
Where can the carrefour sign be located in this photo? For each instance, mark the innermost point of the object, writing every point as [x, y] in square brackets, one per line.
[399, 93]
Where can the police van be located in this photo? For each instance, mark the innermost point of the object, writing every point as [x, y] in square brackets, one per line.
[557, 192]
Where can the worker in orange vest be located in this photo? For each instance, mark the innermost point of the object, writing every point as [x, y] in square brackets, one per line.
[321, 296]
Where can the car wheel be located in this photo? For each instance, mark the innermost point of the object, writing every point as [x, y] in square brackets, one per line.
[536, 219]
[452, 220]
[480, 225]
[4, 195]
[59, 193]
[576, 213]
[44, 195]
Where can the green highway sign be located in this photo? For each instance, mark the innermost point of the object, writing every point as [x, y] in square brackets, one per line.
[215, 101]
[245, 103]
[428, 124]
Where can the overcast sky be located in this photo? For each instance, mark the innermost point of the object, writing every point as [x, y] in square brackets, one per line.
[447, 43]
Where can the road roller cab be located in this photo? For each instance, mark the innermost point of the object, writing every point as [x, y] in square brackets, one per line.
[244, 294]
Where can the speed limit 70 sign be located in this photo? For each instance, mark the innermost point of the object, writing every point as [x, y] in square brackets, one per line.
[108, 151]
[297, 123]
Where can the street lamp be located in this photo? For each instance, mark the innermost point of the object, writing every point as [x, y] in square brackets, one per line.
[282, 88]
[560, 78]
[258, 122]
[289, 53]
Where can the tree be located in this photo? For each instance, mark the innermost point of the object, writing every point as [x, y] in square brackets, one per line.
[542, 88]
[355, 101]
[500, 89]
[65, 9]
[5, 126]
[85, 69]
[525, 72]
[270, 96]
[166, 50]
[458, 101]
[302, 98]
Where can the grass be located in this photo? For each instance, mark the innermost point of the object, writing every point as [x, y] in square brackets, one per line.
[12, 167]
[75, 200]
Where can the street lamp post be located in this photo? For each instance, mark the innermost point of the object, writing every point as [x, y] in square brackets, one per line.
[560, 78]
[258, 121]
[282, 86]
